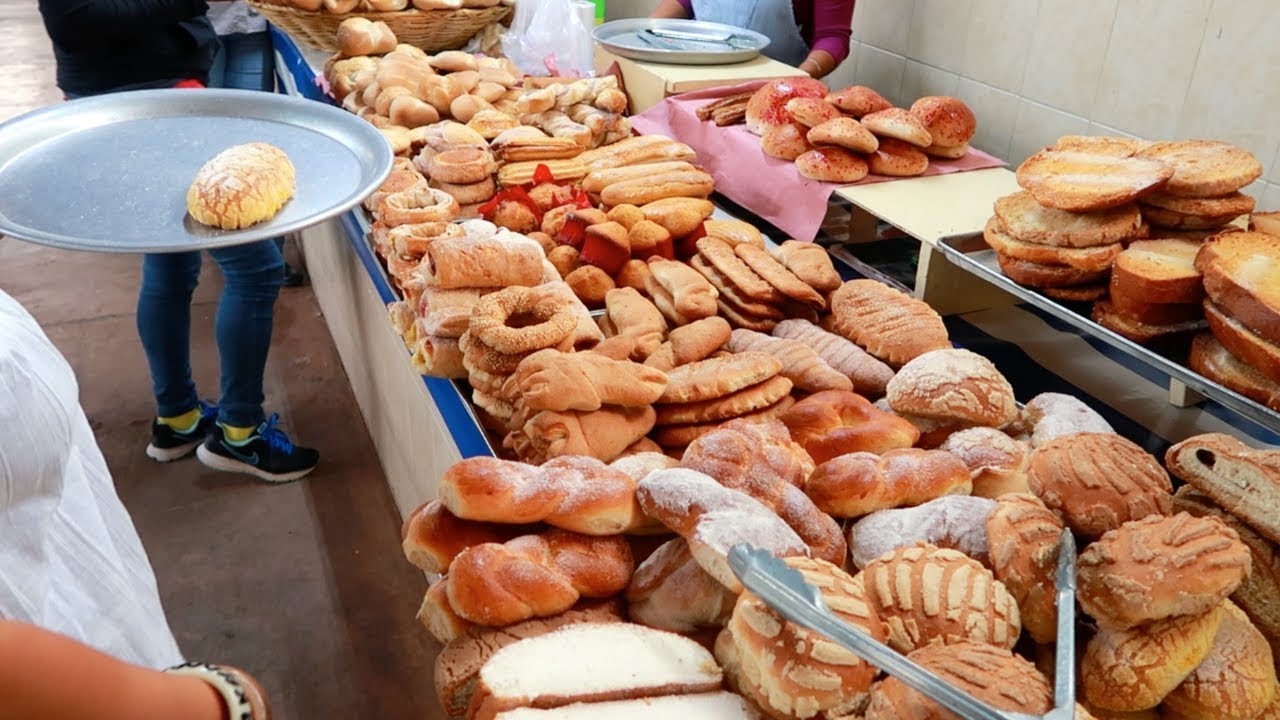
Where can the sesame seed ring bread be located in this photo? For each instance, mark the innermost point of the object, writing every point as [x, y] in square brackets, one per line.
[718, 377]
[418, 204]
[900, 124]
[1039, 275]
[1022, 218]
[1087, 182]
[552, 321]
[461, 166]
[478, 356]
[1091, 259]
[1204, 168]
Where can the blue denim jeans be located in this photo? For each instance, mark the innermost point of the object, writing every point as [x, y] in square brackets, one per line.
[253, 275]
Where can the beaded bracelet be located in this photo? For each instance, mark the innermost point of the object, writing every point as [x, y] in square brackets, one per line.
[226, 683]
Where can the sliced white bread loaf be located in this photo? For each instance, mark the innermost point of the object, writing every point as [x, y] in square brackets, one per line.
[1211, 359]
[592, 663]
[705, 706]
[1157, 271]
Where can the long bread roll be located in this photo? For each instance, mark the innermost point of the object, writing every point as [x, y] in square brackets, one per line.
[503, 260]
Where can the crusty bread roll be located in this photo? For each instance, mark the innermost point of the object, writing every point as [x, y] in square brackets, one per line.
[536, 576]
[897, 158]
[597, 180]
[433, 536]
[1052, 415]
[459, 663]
[786, 141]
[860, 483]
[928, 595]
[1023, 537]
[681, 216]
[761, 460]
[640, 191]
[949, 121]
[361, 36]
[575, 493]
[832, 164]
[899, 124]
[714, 518]
[858, 100]
[1133, 670]
[671, 591]
[811, 111]
[888, 323]
[952, 521]
[241, 186]
[997, 462]
[589, 662]
[846, 133]
[833, 423]
[768, 107]
[953, 385]
[1160, 567]
[1236, 680]
[1119, 482]
[991, 674]
[794, 672]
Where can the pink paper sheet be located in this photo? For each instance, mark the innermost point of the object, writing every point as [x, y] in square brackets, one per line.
[767, 186]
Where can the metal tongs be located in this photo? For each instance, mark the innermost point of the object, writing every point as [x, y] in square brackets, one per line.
[786, 591]
[737, 42]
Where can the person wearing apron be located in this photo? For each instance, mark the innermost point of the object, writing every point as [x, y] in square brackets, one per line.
[812, 35]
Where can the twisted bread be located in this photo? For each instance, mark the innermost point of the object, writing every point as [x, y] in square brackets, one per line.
[432, 536]
[834, 423]
[536, 576]
[438, 617]
[574, 493]
[859, 483]
[713, 518]
[671, 591]
[760, 460]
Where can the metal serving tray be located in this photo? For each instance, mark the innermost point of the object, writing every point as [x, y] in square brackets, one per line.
[665, 41]
[972, 253]
[110, 173]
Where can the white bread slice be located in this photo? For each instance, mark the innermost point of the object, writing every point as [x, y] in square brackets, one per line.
[592, 662]
[705, 706]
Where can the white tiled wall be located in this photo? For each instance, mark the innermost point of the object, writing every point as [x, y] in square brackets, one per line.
[1036, 69]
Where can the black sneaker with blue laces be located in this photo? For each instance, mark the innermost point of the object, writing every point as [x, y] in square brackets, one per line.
[168, 444]
[266, 454]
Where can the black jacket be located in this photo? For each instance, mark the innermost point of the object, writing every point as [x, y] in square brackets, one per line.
[106, 45]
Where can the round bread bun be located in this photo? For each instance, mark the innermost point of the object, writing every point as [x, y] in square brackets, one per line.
[954, 152]
[470, 193]
[453, 61]
[858, 100]
[786, 141]
[897, 159]
[832, 164]
[949, 121]
[767, 108]
[900, 124]
[461, 166]
[811, 111]
[953, 384]
[845, 132]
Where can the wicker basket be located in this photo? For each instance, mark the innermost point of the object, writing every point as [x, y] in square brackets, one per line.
[431, 30]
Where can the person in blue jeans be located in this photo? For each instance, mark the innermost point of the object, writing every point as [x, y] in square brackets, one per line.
[245, 62]
[104, 46]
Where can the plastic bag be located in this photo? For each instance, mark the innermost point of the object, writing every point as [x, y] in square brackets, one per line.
[552, 37]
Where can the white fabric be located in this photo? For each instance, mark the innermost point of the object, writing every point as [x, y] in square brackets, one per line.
[235, 17]
[774, 18]
[70, 558]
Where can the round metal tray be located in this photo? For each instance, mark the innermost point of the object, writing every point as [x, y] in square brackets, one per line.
[629, 39]
[110, 173]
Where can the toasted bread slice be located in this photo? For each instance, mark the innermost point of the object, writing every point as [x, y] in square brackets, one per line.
[1156, 313]
[704, 706]
[1265, 222]
[1233, 205]
[1204, 168]
[592, 662]
[1090, 259]
[1027, 220]
[1104, 313]
[1173, 220]
[1079, 293]
[1039, 275]
[1212, 360]
[1088, 182]
[1242, 342]
[1242, 276]
[1157, 271]
[1101, 144]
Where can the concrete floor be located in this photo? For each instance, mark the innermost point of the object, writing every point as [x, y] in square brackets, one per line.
[303, 585]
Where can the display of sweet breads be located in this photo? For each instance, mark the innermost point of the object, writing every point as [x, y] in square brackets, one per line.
[845, 135]
[947, 555]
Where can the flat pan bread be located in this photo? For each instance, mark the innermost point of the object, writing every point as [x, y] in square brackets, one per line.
[1088, 182]
[1027, 220]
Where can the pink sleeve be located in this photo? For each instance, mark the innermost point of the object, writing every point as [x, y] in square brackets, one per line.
[688, 7]
[832, 27]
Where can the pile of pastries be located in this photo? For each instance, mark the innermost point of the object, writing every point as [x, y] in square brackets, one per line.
[1144, 231]
[943, 547]
[845, 135]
